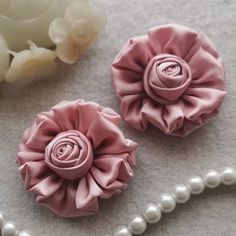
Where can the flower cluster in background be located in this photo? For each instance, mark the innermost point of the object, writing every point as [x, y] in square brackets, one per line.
[78, 29]
[69, 26]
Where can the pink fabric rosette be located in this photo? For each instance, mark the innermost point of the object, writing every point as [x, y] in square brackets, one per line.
[74, 154]
[172, 78]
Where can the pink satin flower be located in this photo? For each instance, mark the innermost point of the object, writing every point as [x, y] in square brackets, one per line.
[74, 154]
[172, 78]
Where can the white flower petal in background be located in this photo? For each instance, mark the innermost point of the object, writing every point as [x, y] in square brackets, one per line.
[43, 23]
[31, 64]
[92, 12]
[68, 51]
[81, 31]
[98, 16]
[4, 58]
[84, 21]
[4, 7]
[59, 30]
[38, 15]
[26, 9]
[78, 9]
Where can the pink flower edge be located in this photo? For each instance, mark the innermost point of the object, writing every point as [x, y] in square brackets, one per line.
[172, 78]
[73, 155]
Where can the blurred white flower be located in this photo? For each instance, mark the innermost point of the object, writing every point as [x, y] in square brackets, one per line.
[24, 9]
[31, 64]
[4, 58]
[21, 20]
[74, 33]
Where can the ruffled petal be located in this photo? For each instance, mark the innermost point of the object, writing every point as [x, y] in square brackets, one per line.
[131, 107]
[46, 187]
[166, 117]
[66, 115]
[172, 39]
[63, 203]
[25, 156]
[108, 176]
[87, 193]
[129, 65]
[41, 133]
[75, 115]
[211, 72]
[203, 42]
[109, 169]
[34, 172]
[200, 101]
[112, 139]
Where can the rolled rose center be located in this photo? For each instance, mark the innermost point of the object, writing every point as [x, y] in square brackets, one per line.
[69, 155]
[170, 68]
[166, 78]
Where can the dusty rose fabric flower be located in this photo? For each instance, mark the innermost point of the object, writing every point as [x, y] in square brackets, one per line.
[74, 154]
[172, 78]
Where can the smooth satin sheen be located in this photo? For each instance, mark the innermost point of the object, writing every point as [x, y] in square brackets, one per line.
[172, 78]
[74, 154]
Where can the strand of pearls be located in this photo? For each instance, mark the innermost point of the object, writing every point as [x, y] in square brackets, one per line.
[181, 193]
[9, 229]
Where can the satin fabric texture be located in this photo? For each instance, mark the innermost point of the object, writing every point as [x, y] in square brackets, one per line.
[172, 78]
[73, 155]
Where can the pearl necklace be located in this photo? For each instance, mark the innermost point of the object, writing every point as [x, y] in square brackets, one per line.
[8, 228]
[152, 212]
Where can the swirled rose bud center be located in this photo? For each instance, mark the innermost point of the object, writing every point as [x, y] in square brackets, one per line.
[170, 68]
[166, 78]
[69, 155]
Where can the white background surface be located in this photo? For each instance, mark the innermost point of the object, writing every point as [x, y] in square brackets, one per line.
[162, 161]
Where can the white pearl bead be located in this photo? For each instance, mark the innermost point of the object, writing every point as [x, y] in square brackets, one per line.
[138, 225]
[228, 176]
[122, 231]
[25, 233]
[1, 220]
[152, 213]
[181, 193]
[167, 203]
[196, 184]
[212, 179]
[9, 229]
